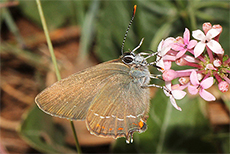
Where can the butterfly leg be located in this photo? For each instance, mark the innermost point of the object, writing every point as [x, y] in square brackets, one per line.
[148, 54]
[152, 85]
[138, 46]
[152, 76]
[164, 88]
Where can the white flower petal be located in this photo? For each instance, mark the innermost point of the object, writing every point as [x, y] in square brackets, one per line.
[178, 94]
[194, 78]
[215, 47]
[212, 33]
[168, 86]
[190, 59]
[192, 89]
[173, 102]
[198, 34]
[160, 63]
[207, 83]
[206, 95]
[164, 50]
[168, 41]
[160, 46]
[199, 48]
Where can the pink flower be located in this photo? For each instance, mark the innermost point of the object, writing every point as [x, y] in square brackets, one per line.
[200, 87]
[162, 49]
[169, 75]
[207, 40]
[184, 45]
[174, 94]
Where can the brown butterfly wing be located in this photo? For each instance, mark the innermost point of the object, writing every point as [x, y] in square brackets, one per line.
[119, 108]
[71, 97]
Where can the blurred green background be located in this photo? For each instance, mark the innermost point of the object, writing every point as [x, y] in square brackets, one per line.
[106, 21]
[102, 27]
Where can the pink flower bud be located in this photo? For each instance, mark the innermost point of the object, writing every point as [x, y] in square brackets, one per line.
[223, 86]
[175, 86]
[206, 27]
[217, 63]
[210, 67]
[218, 28]
[169, 75]
[184, 80]
[181, 62]
[179, 39]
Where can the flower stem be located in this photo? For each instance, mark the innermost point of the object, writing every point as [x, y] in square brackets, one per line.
[226, 79]
[209, 51]
[50, 46]
[218, 78]
[227, 61]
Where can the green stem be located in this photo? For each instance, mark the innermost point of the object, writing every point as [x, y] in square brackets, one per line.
[50, 46]
[75, 137]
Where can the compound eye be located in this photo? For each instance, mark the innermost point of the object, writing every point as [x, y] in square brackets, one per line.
[128, 59]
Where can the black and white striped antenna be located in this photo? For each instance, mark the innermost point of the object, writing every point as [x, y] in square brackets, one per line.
[126, 33]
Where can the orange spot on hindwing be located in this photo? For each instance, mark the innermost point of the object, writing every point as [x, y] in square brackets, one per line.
[141, 124]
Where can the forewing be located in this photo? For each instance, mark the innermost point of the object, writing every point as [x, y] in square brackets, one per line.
[119, 108]
[71, 97]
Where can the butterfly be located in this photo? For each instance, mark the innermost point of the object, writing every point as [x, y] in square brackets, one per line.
[112, 97]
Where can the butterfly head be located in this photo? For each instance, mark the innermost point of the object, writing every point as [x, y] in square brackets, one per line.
[133, 59]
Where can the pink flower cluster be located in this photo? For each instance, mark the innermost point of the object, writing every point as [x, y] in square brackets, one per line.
[206, 57]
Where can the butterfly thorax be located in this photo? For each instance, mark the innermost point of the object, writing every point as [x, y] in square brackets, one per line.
[140, 74]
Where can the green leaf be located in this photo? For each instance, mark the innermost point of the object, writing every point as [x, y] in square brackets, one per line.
[114, 18]
[111, 29]
[88, 29]
[41, 133]
[56, 13]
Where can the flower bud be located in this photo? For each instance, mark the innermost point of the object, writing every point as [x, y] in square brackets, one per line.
[206, 27]
[181, 62]
[184, 80]
[223, 86]
[210, 67]
[169, 75]
[217, 63]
